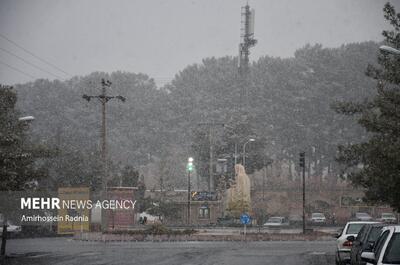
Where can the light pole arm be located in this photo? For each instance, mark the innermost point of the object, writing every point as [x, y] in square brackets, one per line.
[389, 49]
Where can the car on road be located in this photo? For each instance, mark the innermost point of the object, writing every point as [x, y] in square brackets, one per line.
[146, 218]
[11, 228]
[276, 221]
[364, 241]
[389, 218]
[228, 221]
[386, 249]
[363, 217]
[318, 218]
[345, 240]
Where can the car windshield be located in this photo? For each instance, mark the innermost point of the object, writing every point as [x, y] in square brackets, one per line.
[274, 220]
[317, 215]
[392, 255]
[374, 234]
[390, 215]
[362, 215]
[354, 228]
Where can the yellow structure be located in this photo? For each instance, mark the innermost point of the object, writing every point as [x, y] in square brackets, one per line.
[73, 220]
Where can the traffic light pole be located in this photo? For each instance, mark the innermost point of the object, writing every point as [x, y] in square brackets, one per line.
[303, 165]
[188, 205]
[189, 168]
[304, 200]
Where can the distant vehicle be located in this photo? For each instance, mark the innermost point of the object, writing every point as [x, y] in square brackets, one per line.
[363, 217]
[386, 249]
[364, 241]
[146, 218]
[229, 221]
[318, 218]
[345, 240]
[295, 219]
[389, 218]
[11, 228]
[276, 221]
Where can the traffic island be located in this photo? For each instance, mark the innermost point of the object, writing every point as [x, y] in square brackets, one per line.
[159, 233]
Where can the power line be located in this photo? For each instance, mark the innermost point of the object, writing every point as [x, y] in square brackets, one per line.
[16, 69]
[32, 64]
[36, 56]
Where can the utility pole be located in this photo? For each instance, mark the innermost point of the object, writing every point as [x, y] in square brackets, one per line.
[103, 98]
[302, 164]
[247, 41]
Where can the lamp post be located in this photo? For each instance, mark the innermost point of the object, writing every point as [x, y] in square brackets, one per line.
[235, 154]
[189, 168]
[26, 119]
[244, 150]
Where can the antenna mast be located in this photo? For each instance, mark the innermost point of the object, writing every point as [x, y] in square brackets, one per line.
[246, 42]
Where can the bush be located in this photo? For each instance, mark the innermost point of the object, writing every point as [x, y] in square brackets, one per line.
[156, 229]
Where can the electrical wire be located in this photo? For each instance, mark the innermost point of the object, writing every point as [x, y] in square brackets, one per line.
[34, 55]
[18, 70]
[32, 64]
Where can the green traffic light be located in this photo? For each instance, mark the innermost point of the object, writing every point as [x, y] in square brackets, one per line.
[189, 167]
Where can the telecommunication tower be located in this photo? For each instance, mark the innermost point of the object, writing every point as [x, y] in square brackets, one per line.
[246, 42]
[246, 38]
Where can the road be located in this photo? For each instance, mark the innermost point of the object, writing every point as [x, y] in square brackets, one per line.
[65, 251]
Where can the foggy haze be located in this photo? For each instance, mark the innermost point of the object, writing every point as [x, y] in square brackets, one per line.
[160, 38]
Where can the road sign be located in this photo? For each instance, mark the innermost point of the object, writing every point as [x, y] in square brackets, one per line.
[245, 219]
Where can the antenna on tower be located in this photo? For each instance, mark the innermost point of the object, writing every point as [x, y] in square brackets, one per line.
[246, 37]
[246, 42]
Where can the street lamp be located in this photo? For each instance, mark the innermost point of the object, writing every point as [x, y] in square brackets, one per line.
[26, 119]
[244, 150]
[389, 49]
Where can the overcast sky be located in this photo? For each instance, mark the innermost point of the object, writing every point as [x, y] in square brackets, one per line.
[161, 37]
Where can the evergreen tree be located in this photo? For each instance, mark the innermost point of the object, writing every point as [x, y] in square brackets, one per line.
[375, 164]
[17, 157]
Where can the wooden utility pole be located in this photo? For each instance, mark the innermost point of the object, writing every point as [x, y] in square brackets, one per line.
[103, 98]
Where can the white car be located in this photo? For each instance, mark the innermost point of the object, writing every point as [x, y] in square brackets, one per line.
[386, 249]
[388, 218]
[363, 217]
[318, 218]
[343, 244]
[11, 229]
[276, 221]
[150, 219]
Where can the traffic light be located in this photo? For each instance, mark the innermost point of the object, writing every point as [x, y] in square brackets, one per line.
[302, 160]
[189, 165]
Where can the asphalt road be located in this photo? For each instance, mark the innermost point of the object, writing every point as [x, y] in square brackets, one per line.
[65, 251]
